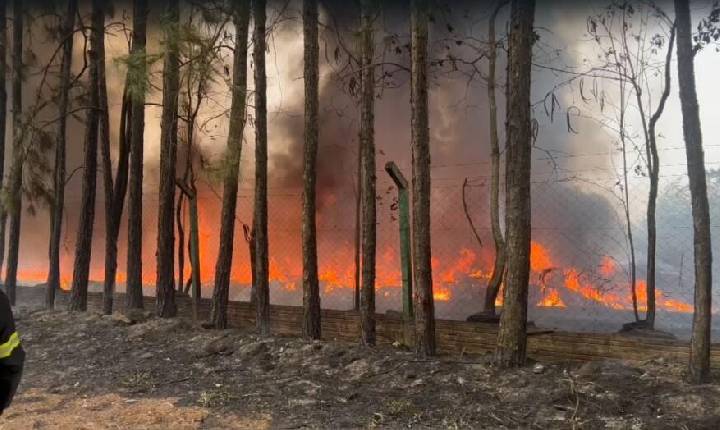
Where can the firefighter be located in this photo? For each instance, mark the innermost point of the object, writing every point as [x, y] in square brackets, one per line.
[12, 355]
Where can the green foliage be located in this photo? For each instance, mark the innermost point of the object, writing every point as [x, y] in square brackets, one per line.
[138, 78]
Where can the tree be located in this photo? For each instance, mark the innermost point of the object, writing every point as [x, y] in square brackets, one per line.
[424, 301]
[621, 32]
[3, 123]
[83, 244]
[58, 203]
[699, 366]
[260, 217]
[368, 190]
[14, 198]
[116, 189]
[500, 255]
[221, 293]
[137, 76]
[200, 52]
[311, 287]
[168, 154]
[512, 336]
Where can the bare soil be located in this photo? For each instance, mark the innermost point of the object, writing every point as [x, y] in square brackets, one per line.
[87, 371]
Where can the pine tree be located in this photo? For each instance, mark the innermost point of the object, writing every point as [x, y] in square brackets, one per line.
[168, 153]
[138, 64]
[424, 306]
[311, 287]
[260, 218]
[221, 293]
[14, 199]
[699, 366]
[368, 192]
[512, 337]
[58, 204]
[83, 244]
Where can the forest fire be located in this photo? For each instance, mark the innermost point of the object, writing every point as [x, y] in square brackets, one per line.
[552, 285]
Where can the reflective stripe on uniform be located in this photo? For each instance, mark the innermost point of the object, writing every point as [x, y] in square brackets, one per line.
[7, 348]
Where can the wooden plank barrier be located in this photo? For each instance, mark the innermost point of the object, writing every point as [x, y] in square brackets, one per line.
[454, 337]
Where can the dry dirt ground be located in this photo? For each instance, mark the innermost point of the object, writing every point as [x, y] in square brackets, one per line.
[87, 371]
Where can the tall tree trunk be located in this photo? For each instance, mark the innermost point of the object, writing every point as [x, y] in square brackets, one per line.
[496, 278]
[260, 217]
[221, 293]
[311, 284]
[654, 181]
[3, 122]
[165, 284]
[699, 367]
[424, 301]
[58, 203]
[83, 244]
[512, 336]
[134, 292]
[367, 144]
[114, 192]
[358, 229]
[16, 174]
[179, 221]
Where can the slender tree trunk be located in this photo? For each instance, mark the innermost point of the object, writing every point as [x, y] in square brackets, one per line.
[104, 124]
[180, 222]
[358, 230]
[311, 284]
[195, 250]
[221, 293]
[496, 278]
[134, 292]
[260, 218]
[699, 367]
[165, 283]
[114, 192]
[83, 244]
[626, 190]
[654, 181]
[3, 122]
[249, 232]
[15, 209]
[58, 204]
[368, 192]
[512, 336]
[424, 301]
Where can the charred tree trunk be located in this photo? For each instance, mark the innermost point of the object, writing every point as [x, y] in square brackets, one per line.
[424, 301]
[114, 192]
[83, 244]
[311, 284]
[218, 316]
[496, 278]
[368, 191]
[260, 217]
[654, 174]
[699, 367]
[512, 336]
[58, 203]
[16, 174]
[165, 284]
[134, 292]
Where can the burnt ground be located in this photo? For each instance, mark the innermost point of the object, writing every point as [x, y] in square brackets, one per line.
[87, 371]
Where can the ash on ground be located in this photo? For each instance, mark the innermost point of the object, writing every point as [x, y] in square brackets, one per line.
[88, 371]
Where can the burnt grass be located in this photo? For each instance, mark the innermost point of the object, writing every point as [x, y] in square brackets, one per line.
[306, 384]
